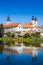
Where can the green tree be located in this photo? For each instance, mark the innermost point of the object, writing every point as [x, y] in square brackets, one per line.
[26, 35]
[36, 34]
[13, 35]
[9, 34]
[1, 30]
[1, 46]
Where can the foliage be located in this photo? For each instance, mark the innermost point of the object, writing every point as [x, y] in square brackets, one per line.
[1, 46]
[19, 39]
[37, 34]
[10, 34]
[8, 43]
[26, 35]
[13, 35]
[1, 30]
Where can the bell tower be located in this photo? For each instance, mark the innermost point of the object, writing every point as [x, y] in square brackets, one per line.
[34, 21]
[8, 20]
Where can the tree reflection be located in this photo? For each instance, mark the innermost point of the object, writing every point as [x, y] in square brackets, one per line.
[34, 55]
[1, 46]
[34, 58]
[8, 55]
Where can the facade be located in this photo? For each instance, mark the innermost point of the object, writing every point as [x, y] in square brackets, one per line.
[18, 28]
[40, 29]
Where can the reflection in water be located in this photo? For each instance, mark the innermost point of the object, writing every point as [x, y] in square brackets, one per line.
[41, 49]
[8, 55]
[1, 46]
[34, 58]
[22, 59]
[14, 51]
[34, 55]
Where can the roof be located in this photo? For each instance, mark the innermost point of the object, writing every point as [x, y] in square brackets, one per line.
[27, 25]
[40, 27]
[10, 25]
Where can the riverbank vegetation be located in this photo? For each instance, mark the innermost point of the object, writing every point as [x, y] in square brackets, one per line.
[27, 39]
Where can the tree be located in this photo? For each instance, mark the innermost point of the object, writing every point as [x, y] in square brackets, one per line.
[26, 35]
[1, 30]
[13, 35]
[9, 34]
[1, 46]
[36, 34]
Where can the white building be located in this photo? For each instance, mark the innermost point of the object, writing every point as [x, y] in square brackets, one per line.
[40, 29]
[19, 28]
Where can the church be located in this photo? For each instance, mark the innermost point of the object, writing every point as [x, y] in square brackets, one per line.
[20, 29]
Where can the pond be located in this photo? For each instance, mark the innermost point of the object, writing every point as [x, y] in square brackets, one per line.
[11, 57]
[21, 59]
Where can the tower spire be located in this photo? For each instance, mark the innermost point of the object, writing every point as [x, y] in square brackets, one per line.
[8, 20]
[33, 18]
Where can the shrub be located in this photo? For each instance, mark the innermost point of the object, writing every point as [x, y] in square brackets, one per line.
[9, 34]
[26, 35]
[13, 35]
[1, 30]
[36, 34]
[8, 43]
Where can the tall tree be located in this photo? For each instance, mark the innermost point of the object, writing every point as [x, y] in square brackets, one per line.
[1, 30]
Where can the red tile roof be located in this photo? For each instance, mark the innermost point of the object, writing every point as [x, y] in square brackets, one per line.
[10, 25]
[27, 25]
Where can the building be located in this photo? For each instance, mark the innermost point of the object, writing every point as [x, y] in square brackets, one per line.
[40, 29]
[19, 28]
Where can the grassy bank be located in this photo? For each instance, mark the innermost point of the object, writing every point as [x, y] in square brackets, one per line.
[26, 41]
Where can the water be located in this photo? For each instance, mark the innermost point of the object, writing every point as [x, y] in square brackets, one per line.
[21, 59]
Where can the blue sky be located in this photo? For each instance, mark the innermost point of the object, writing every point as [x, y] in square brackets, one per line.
[21, 10]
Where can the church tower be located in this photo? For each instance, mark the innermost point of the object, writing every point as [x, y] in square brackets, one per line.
[34, 21]
[8, 20]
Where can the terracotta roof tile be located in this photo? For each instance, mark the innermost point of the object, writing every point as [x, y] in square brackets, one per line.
[27, 25]
[10, 25]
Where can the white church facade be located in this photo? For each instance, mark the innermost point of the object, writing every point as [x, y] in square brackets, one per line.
[19, 28]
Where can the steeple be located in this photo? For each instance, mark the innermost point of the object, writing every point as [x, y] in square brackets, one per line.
[33, 18]
[34, 21]
[8, 20]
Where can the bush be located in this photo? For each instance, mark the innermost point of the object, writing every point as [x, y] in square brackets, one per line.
[8, 43]
[20, 39]
[37, 34]
[26, 35]
[1, 30]
[9, 34]
[36, 44]
[13, 35]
